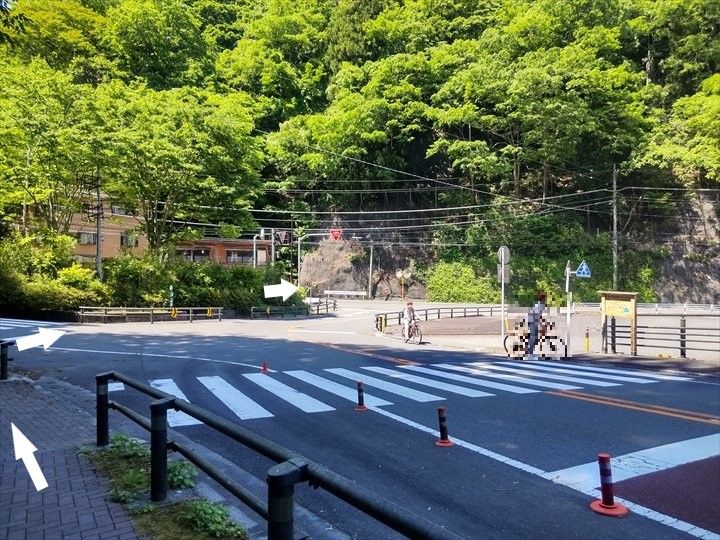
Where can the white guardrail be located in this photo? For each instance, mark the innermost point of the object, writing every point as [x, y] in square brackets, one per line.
[712, 308]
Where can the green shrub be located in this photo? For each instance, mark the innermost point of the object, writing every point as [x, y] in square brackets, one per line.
[181, 474]
[211, 518]
[457, 282]
[126, 447]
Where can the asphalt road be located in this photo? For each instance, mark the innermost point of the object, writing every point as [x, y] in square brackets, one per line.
[522, 432]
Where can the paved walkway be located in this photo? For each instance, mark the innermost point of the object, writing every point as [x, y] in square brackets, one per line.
[74, 505]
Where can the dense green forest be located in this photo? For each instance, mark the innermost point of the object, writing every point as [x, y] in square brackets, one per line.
[451, 125]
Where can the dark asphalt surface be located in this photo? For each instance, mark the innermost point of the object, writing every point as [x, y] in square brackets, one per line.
[471, 494]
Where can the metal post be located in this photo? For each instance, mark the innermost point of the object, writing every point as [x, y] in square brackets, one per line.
[151, 315]
[98, 226]
[370, 276]
[281, 480]
[255, 251]
[102, 430]
[3, 361]
[158, 448]
[612, 335]
[191, 314]
[568, 351]
[683, 352]
[272, 247]
[502, 296]
[604, 336]
[361, 398]
[615, 233]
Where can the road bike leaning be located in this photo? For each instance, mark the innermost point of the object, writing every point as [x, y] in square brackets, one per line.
[414, 333]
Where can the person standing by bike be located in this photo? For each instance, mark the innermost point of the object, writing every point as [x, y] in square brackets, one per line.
[535, 325]
[408, 316]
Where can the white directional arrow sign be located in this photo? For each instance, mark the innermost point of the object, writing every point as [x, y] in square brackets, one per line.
[24, 450]
[284, 289]
[45, 337]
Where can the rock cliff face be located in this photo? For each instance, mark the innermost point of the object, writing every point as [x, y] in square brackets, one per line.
[345, 265]
[691, 272]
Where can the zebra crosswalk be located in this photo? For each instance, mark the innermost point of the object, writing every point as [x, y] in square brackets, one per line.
[390, 386]
[23, 324]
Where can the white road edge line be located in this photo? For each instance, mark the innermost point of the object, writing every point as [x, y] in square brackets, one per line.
[178, 356]
[675, 523]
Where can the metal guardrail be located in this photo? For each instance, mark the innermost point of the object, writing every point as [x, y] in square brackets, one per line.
[322, 306]
[153, 314]
[658, 307]
[291, 469]
[382, 320]
[665, 337]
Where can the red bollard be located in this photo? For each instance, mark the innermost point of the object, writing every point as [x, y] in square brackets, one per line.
[361, 398]
[264, 368]
[607, 505]
[443, 440]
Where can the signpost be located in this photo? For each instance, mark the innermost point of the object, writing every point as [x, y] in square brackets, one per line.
[504, 256]
[582, 271]
[402, 275]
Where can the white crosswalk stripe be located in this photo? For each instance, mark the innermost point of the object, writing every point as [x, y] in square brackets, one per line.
[553, 369]
[632, 372]
[7, 324]
[470, 392]
[294, 397]
[244, 407]
[589, 382]
[335, 388]
[470, 380]
[515, 379]
[174, 418]
[508, 377]
[400, 390]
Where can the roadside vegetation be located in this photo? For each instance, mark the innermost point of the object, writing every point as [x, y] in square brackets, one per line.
[126, 463]
[484, 123]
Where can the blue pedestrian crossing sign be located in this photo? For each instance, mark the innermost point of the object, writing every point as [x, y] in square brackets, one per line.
[583, 270]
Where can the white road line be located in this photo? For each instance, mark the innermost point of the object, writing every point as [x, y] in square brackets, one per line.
[470, 392]
[244, 407]
[640, 510]
[323, 332]
[632, 372]
[175, 418]
[531, 365]
[470, 380]
[19, 323]
[504, 376]
[639, 463]
[335, 388]
[294, 397]
[115, 386]
[544, 375]
[404, 391]
[155, 355]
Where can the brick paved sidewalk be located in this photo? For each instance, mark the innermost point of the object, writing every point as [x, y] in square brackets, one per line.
[74, 505]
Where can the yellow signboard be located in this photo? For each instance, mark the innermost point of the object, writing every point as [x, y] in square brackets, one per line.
[618, 304]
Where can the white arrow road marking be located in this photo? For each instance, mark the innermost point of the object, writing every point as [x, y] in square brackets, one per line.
[44, 337]
[24, 450]
[284, 289]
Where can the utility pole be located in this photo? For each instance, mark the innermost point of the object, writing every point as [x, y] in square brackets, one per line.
[615, 233]
[98, 225]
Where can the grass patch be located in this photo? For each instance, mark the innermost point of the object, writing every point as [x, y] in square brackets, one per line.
[126, 462]
[188, 520]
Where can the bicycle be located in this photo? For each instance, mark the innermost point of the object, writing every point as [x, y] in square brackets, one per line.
[414, 333]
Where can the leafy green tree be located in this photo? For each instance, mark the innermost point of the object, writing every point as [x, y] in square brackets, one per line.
[159, 41]
[46, 159]
[688, 138]
[170, 151]
[59, 32]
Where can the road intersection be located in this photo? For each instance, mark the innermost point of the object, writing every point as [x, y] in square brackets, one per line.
[520, 429]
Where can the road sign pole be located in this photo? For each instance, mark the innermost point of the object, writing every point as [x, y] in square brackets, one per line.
[502, 298]
[567, 314]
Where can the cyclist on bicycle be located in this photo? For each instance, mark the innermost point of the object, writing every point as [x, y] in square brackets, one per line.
[536, 325]
[408, 316]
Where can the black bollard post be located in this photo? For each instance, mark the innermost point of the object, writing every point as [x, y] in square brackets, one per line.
[102, 406]
[361, 398]
[158, 448]
[443, 440]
